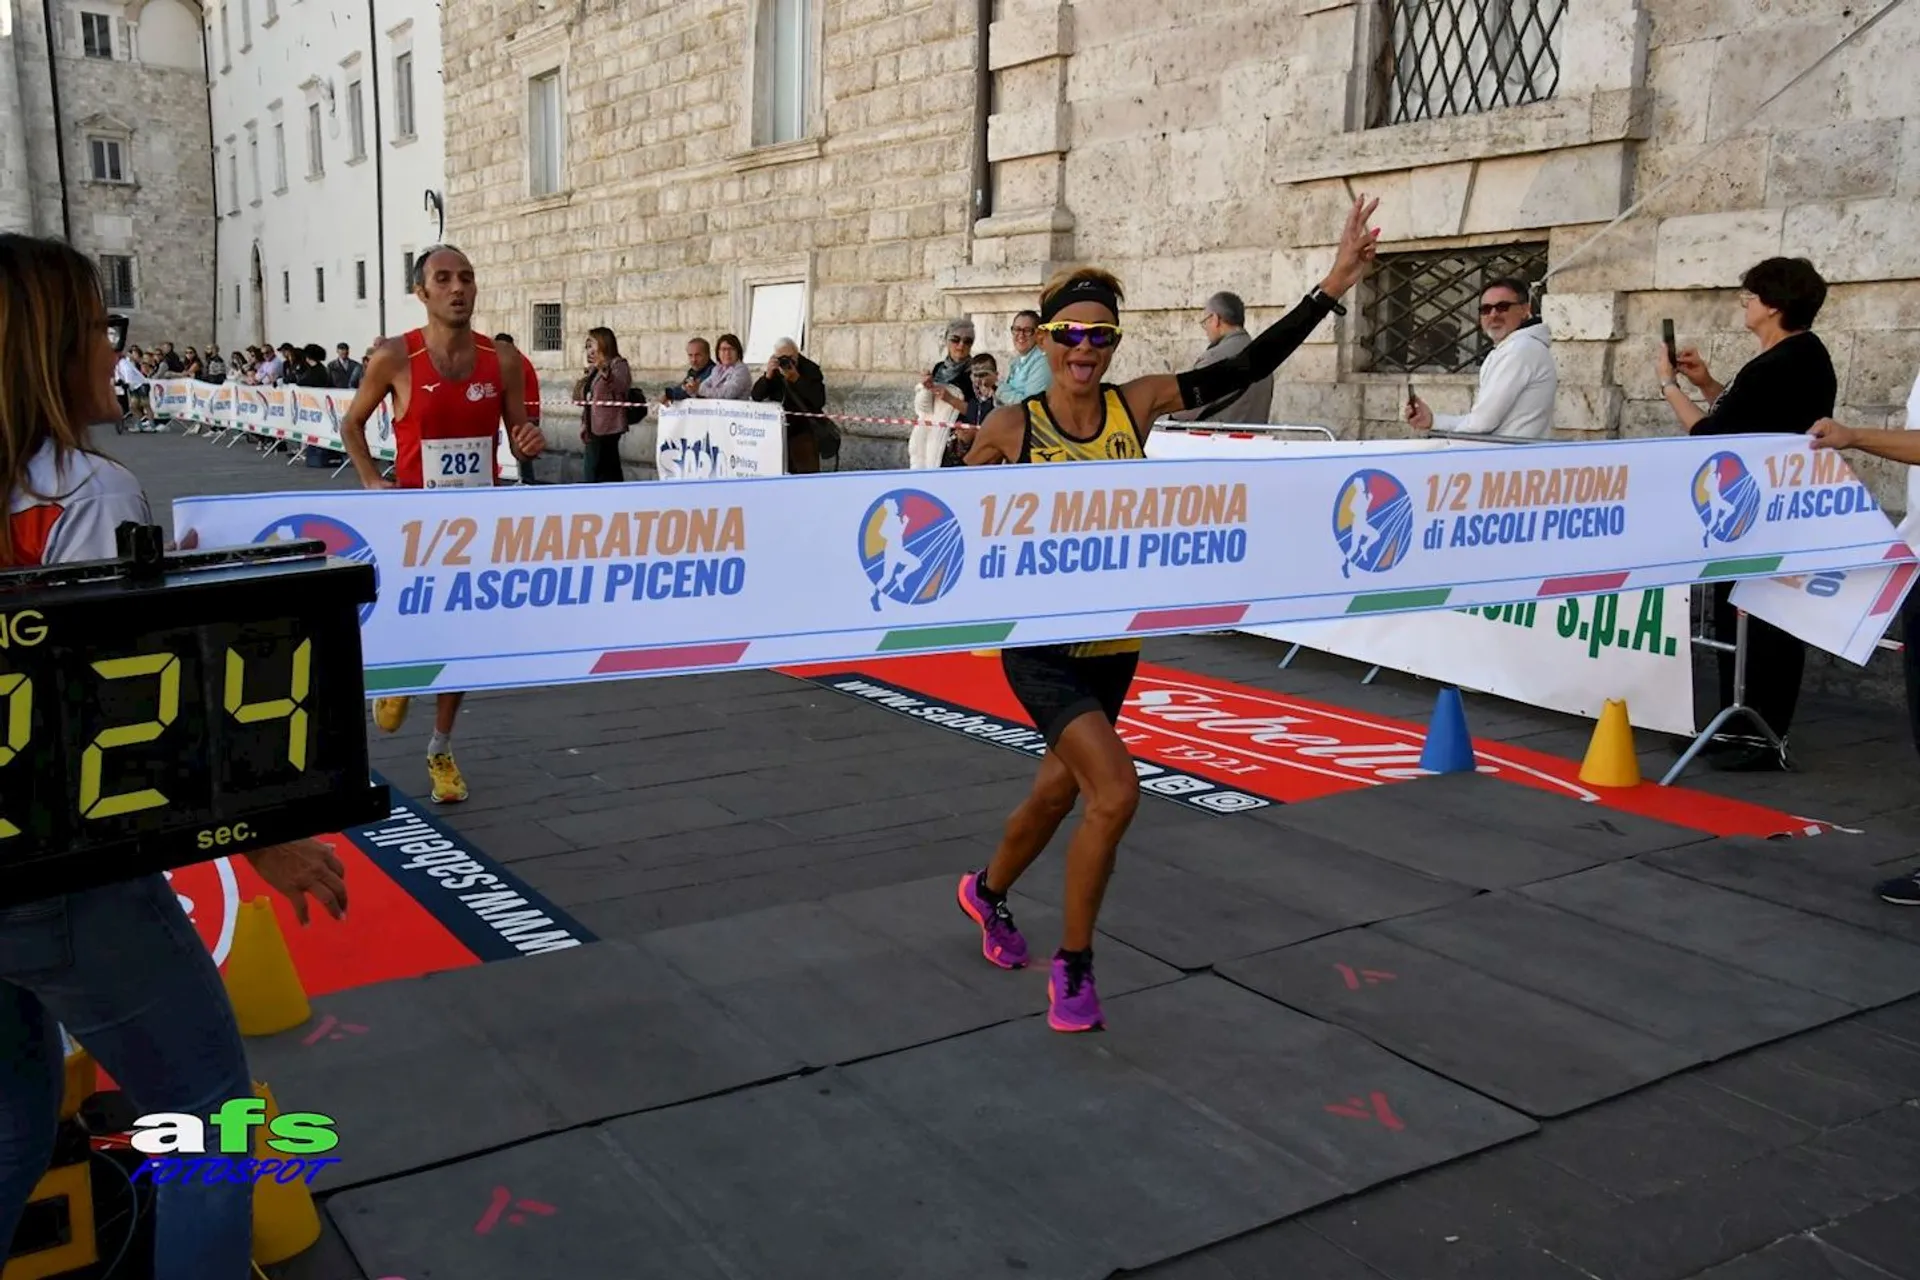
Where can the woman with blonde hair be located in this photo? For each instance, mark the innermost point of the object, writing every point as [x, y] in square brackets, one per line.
[1074, 692]
[119, 967]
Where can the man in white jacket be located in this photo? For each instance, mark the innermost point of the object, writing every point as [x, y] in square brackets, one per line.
[1517, 379]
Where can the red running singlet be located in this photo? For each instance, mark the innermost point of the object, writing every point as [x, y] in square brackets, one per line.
[446, 439]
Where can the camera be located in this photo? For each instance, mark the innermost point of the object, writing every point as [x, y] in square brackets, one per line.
[786, 362]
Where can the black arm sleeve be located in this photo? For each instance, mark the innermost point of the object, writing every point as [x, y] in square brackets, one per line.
[1262, 356]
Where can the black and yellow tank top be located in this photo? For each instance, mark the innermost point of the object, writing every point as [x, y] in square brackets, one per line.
[1118, 438]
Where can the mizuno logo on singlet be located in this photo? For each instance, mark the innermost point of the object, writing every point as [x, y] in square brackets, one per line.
[430, 387]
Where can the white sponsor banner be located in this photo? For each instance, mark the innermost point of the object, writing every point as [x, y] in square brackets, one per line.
[1177, 440]
[504, 587]
[1569, 655]
[168, 396]
[721, 440]
[1843, 611]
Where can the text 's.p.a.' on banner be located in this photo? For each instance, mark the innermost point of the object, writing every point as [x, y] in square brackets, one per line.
[504, 587]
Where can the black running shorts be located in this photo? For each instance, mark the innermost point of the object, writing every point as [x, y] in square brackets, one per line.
[1056, 688]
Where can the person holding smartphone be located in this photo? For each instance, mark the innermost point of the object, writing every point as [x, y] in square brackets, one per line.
[1517, 379]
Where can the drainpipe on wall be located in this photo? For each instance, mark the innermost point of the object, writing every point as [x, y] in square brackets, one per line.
[213, 174]
[379, 168]
[982, 110]
[59, 128]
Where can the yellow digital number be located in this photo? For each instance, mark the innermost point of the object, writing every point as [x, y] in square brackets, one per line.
[291, 708]
[18, 691]
[92, 803]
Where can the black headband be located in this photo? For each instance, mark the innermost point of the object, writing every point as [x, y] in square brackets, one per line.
[1079, 291]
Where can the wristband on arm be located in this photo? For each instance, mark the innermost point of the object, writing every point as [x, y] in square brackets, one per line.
[1266, 353]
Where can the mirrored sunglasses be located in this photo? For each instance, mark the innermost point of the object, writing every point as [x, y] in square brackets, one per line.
[1097, 336]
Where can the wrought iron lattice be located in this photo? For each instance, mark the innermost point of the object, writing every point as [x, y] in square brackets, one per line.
[1456, 57]
[549, 331]
[1421, 311]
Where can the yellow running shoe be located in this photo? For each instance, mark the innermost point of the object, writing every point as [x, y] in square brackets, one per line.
[448, 786]
[390, 713]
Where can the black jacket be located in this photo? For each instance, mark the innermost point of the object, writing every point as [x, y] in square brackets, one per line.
[806, 394]
[1787, 388]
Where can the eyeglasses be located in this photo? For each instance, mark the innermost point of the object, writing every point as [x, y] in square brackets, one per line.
[1020, 329]
[1097, 336]
[1490, 308]
[962, 339]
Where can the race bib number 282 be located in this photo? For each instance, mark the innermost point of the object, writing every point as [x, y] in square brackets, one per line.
[456, 464]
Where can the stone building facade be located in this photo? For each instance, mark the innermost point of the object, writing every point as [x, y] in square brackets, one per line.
[121, 169]
[1216, 151]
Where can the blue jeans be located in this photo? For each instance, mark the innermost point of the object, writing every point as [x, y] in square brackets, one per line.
[124, 971]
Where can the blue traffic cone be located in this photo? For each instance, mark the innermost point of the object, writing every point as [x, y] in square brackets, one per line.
[1449, 746]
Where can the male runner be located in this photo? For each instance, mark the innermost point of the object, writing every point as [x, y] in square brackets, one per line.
[451, 389]
[1074, 692]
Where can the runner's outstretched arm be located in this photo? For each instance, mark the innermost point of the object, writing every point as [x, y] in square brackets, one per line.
[382, 373]
[999, 437]
[1152, 397]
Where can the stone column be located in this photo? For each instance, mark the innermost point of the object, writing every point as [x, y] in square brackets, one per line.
[16, 185]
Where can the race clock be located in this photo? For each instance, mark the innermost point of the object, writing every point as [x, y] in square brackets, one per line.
[157, 711]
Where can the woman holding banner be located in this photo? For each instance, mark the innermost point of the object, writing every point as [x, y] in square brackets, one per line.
[1074, 692]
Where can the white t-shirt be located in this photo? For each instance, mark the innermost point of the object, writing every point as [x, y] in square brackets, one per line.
[71, 512]
[128, 374]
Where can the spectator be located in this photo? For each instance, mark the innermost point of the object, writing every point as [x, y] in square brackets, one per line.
[951, 379]
[530, 380]
[216, 372]
[1517, 379]
[1028, 373]
[313, 368]
[1902, 447]
[170, 361]
[1788, 387]
[131, 384]
[1225, 323]
[797, 383]
[273, 365]
[604, 419]
[239, 367]
[191, 367]
[729, 379]
[699, 368]
[344, 370]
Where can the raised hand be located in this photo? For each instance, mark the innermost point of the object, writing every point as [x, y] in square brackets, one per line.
[1357, 249]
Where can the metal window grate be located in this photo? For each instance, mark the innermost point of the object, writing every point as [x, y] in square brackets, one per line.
[1420, 312]
[549, 331]
[116, 280]
[1455, 57]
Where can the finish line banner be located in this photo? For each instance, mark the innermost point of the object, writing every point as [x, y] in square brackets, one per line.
[507, 587]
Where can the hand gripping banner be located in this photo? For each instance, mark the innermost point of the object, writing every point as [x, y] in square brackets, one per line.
[496, 588]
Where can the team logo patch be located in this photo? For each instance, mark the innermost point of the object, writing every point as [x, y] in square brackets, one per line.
[478, 391]
[341, 540]
[1372, 522]
[911, 547]
[1726, 497]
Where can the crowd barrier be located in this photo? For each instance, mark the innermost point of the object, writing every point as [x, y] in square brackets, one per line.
[306, 417]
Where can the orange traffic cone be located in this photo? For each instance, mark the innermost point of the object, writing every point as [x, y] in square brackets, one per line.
[285, 1221]
[1611, 761]
[260, 978]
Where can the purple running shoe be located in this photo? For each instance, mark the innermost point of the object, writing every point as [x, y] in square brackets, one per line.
[1072, 1003]
[1000, 941]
